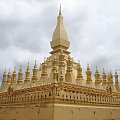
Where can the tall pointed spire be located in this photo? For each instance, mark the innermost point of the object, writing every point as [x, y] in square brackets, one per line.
[14, 75]
[20, 76]
[60, 38]
[27, 74]
[9, 77]
[104, 78]
[4, 77]
[60, 13]
[35, 73]
[97, 78]
[88, 73]
[116, 81]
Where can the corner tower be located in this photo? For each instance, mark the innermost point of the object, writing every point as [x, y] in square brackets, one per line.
[60, 38]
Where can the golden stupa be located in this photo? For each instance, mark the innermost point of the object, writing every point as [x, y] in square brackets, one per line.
[58, 89]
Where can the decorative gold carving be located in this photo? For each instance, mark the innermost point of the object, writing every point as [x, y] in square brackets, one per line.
[61, 76]
[54, 70]
[54, 64]
[56, 93]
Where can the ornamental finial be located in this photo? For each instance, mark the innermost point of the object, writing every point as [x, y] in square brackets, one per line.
[20, 70]
[35, 66]
[28, 66]
[60, 10]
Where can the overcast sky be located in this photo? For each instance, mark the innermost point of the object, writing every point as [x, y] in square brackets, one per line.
[93, 28]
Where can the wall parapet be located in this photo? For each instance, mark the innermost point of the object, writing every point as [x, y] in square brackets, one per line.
[60, 92]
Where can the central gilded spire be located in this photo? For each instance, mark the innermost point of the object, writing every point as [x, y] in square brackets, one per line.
[60, 38]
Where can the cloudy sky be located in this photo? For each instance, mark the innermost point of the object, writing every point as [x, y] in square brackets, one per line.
[93, 27]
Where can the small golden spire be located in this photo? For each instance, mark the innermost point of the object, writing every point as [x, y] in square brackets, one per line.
[69, 65]
[104, 74]
[96, 70]
[103, 71]
[35, 73]
[20, 75]
[44, 59]
[60, 10]
[28, 67]
[5, 71]
[116, 77]
[104, 77]
[97, 77]
[115, 72]
[4, 76]
[88, 67]
[20, 69]
[110, 72]
[35, 66]
[44, 70]
[79, 71]
[88, 73]
[14, 70]
[79, 66]
[14, 75]
[110, 77]
[27, 74]
[9, 77]
[9, 72]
